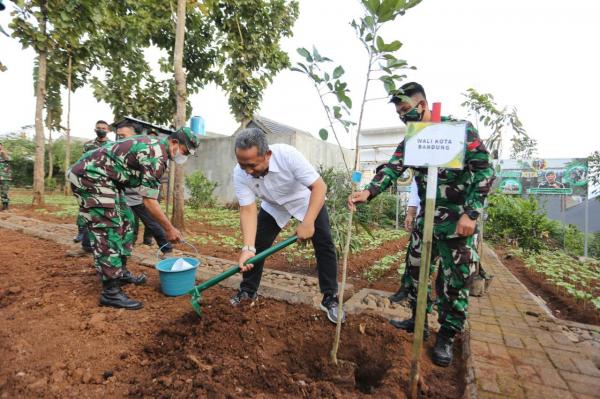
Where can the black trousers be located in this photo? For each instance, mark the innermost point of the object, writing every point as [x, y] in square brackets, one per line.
[266, 232]
[152, 225]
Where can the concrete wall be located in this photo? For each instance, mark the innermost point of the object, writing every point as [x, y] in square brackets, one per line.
[574, 215]
[215, 157]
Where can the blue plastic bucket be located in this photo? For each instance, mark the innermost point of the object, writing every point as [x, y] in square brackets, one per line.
[175, 283]
[197, 125]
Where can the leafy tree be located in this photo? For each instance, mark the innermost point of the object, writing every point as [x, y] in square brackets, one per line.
[248, 39]
[484, 107]
[58, 38]
[382, 65]
[328, 83]
[22, 152]
[30, 25]
[523, 147]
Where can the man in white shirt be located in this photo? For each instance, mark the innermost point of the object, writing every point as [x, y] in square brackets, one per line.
[288, 186]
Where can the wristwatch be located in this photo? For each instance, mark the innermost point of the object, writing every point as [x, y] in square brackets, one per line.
[249, 249]
[472, 214]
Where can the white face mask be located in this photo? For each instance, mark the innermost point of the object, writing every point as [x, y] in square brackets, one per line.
[179, 158]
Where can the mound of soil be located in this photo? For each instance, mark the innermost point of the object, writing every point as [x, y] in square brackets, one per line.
[56, 342]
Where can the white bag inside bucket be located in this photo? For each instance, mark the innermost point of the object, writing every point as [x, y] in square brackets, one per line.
[181, 265]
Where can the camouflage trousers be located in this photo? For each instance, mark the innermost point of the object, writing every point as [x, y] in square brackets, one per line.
[4, 186]
[111, 235]
[81, 221]
[457, 259]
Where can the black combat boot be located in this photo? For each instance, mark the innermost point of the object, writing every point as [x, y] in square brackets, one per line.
[399, 296]
[408, 325]
[128, 277]
[79, 236]
[5, 206]
[442, 352]
[112, 295]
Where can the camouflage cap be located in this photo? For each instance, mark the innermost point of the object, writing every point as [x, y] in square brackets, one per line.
[185, 136]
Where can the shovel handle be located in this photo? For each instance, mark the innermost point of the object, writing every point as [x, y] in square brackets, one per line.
[270, 251]
[235, 269]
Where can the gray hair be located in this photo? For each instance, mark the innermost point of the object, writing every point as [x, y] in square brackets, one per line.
[252, 137]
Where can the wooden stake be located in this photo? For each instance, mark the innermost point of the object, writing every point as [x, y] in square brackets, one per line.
[426, 246]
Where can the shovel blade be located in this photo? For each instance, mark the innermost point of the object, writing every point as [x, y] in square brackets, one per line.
[196, 299]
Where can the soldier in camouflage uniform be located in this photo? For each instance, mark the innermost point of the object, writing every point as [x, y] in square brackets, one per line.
[97, 180]
[5, 176]
[459, 202]
[136, 210]
[101, 129]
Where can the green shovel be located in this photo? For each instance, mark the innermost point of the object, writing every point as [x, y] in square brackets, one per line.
[196, 292]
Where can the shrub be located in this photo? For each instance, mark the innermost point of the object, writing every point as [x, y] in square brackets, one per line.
[201, 190]
[518, 221]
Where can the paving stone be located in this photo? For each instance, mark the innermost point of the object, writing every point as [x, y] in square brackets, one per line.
[551, 378]
[510, 387]
[562, 360]
[586, 366]
[487, 337]
[537, 391]
[513, 341]
[527, 373]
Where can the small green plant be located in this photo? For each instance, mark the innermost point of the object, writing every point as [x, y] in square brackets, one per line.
[569, 276]
[383, 265]
[201, 190]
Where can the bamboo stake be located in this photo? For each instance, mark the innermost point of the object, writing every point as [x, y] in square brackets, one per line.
[432, 176]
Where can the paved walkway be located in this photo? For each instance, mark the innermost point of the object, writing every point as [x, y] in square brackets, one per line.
[519, 350]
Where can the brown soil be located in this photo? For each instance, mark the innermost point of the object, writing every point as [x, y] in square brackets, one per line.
[562, 306]
[56, 342]
[357, 263]
[39, 213]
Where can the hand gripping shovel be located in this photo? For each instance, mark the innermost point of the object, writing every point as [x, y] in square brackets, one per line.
[196, 292]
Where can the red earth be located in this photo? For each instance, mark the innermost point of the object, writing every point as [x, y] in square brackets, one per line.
[55, 341]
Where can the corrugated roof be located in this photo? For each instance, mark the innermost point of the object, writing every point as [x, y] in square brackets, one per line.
[269, 126]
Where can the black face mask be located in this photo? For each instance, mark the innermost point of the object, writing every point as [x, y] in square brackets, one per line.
[100, 133]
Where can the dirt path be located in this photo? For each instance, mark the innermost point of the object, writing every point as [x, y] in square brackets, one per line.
[56, 342]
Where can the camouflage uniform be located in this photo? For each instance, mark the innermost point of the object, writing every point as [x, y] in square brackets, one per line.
[5, 178]
[457, 192]
[90, 146]
[97, 180]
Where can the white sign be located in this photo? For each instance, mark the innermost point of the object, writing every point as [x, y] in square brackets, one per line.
[435, 144]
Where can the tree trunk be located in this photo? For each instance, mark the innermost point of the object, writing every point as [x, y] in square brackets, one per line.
[50, 156]
[67, 188]
[38, 166]
[180, 88]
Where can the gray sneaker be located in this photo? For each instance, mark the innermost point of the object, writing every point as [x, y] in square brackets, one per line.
[330, 306]
[242, 296]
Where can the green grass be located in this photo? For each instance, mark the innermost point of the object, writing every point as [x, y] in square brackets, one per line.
[216, 217]
[67, 203]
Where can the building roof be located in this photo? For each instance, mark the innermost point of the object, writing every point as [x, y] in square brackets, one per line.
[393, 130]
[269, 126]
